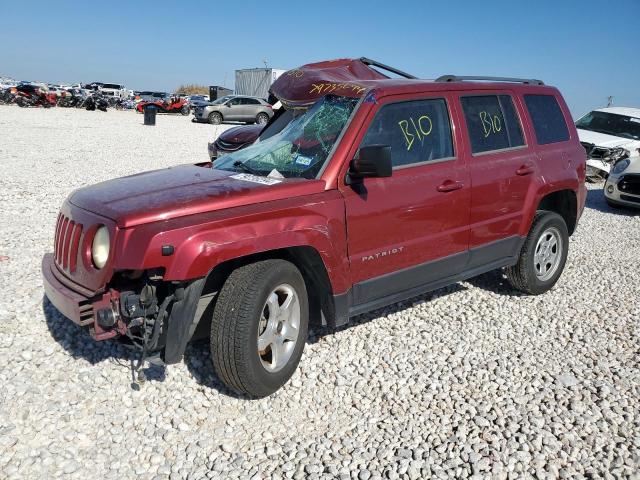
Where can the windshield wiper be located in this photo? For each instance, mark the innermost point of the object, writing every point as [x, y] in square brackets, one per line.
[246, 168]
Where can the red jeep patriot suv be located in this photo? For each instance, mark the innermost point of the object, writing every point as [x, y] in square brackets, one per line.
[377, 190]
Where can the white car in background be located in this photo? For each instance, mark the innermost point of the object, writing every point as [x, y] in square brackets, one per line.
[609, 135]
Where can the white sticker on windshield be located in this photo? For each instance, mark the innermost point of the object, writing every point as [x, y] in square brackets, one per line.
[634, 120]
[247, 177]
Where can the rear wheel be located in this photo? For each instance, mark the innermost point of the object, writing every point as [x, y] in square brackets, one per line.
[215, 118]
[259, 327]
[262, 118]
[543, 255]
[185, 110]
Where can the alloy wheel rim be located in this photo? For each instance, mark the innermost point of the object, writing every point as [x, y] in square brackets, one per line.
[278, 328]
[548, 253]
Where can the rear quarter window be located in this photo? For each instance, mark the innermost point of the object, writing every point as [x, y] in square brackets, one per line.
[492, 123]
[548, 121]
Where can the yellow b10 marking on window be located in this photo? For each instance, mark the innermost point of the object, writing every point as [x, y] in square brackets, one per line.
[419, 127]
[490, 124]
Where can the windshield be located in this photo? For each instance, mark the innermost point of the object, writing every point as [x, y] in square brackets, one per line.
[301, 149]
[222, 99]
[611, 124]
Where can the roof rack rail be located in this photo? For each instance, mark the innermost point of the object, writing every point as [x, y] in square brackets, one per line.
[368, 61]
[456, 78]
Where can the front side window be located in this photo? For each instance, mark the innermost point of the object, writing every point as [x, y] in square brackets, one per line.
[547, 118]
[300, 149]
[417, 131]
[492, 123]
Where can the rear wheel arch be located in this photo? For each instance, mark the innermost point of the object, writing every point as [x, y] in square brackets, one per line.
[564, 203]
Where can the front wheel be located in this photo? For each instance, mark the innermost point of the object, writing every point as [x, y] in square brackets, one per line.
[215, 118]
[185, 110]
[543, 255]
[259, 327]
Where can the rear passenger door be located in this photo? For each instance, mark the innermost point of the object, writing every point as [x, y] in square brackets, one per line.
[503, 168]
[410, 229]
[234, 109]
[252, 107]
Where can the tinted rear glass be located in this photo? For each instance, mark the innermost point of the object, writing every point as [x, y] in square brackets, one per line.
[547, 118]
[492, 123]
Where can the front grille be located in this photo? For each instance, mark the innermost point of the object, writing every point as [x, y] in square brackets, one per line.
[67, 243]
[629, 198]
[229, 146]
[630, 183]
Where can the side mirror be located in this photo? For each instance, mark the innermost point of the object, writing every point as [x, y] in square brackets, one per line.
[370, 161]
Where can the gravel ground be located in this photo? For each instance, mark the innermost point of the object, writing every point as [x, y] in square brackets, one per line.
[471, 380]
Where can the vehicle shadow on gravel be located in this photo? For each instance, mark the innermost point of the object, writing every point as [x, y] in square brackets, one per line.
[79, 344]
[197, 358]
[596, 201]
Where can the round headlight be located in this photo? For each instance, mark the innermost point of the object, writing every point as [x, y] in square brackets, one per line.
[100, 247]
[620, 166]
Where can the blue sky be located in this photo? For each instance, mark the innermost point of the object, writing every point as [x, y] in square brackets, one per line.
[588, 49]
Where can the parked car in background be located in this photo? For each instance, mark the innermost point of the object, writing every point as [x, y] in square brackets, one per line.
[149, 96]
[380, 191]
[172, 105]
[234, 108]
[609, 135]
[114, 90]
[616, 155]
[242, 136]
[198, 101]
[234, 139]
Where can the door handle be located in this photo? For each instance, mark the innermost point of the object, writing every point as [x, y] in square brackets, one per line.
[450, 186]
[525, 169]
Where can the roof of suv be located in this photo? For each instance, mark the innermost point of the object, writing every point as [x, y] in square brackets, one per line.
[302, 86]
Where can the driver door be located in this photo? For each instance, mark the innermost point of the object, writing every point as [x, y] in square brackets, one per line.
[410, 229]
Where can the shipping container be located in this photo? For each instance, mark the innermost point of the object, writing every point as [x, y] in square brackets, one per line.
[216, 92]
[256, 81]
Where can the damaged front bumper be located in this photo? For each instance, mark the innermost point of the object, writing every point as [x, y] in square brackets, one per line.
[150, 316]
[78, 305]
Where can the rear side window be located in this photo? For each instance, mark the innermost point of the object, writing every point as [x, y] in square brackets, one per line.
[547, 118]
[492, 123]
[417, 131]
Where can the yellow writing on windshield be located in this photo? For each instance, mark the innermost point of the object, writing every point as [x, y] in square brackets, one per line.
[421, 128]
[490, 124]
[332, 87]
[296, 72]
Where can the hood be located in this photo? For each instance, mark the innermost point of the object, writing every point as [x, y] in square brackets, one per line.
[183, 190]
[302, 86]
[608, 141]
[241, 134]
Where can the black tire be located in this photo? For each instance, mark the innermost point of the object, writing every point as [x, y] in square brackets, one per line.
[262, 118]
[185, 110]
[235, 323]
[215, 118]
[522, 275]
